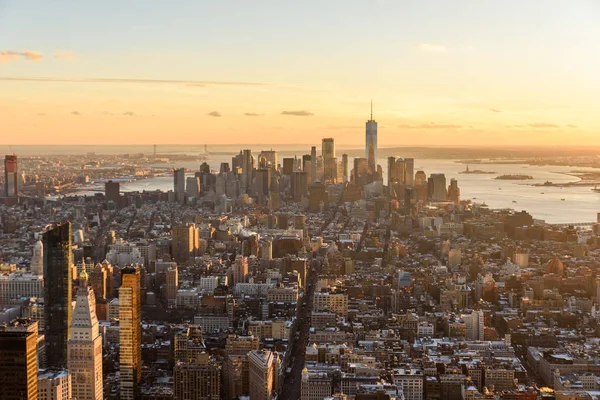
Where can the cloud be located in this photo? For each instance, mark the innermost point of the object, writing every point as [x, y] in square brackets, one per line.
[129, 113]
[300, 113]
[214, 114]
[336, 127]
[75, 113]
[64, 55]
[495, 110]
[432, 48]
[41, 115]
[250, 114]
[196, 84]
[543, 125]
[514, 126]
[131, 80]
[431, 125]
[571, 126]
[13, 55]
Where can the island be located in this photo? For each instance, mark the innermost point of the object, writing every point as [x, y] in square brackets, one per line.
[476, 171]
[517, 177]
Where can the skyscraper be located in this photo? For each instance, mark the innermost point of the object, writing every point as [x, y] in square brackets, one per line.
[247, 170]
[313, 164]
[11, 178]
[85, 345]
[179, 185]
[37, 260]
[261, 374]
[299, 185]
[130, 333]
[371, 143]
[329, 160]
[454, 191]
[436, 187]
[112, 192]
[18, 366]
[182, 243]
[409, 171]
[200, 379]
[57, 292]
[345, 167]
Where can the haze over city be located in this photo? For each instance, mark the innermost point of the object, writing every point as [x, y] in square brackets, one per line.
[284, 72]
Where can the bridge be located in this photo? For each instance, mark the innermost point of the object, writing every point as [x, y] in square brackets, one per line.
[575, 224]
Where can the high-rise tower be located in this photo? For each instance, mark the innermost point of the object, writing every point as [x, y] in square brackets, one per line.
[11, 178]
[85, 345]
[371, 143]
[329, 160]
[18, 366]
[179, 185]
[313, 164]
[57, 292]
[37, 261]
[130, 333]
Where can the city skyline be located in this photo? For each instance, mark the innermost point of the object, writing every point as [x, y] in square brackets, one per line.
[439, 74]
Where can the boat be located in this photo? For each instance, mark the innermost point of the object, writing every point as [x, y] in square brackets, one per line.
[474, 198]
[499, 188]
[541, 192]
[514, 201]
[562, 199]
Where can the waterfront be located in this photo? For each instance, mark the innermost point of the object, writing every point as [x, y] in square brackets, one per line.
[580, 203]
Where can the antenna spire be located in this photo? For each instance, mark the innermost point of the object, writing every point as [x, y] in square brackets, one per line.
[371, 109]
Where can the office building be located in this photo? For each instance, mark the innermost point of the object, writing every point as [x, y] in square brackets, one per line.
[172, 284]
[313, 164]
[18, 285]
[200, 379]
[315, 385]
[409, 171]
[360, 172]
[436, 188]
[261, 372]
[37, 260]
[54, 385]
[179, 185]
[270, 157]
[371, 143]
[11, 177]
[57, 292]
[474, 325]
[288, 166]
[192, 187]
[182, 243]
[262, 182]
[247, 170]
[318, 198]
[420, 178]
[345, 176]
[329, 160]
[240, 270]
[130, 333]
[18, 366]
[85, 346]
[454, 191]
[299, 185]
[112, 192]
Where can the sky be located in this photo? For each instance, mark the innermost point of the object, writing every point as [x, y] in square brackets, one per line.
[463, 72]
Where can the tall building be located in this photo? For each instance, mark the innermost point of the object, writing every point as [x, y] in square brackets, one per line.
[345, 168]
[474, 325]
[172, 284]
[261, 374]
[409, 171]
[270, 157]
[371, 143]
[313, 164]
[288, 166]
[18, 366]
[11, 177]
[85, 345]
[247, 170]
[58, 310]
[262, 182]
[240, 270]
[112, 192]
[299, 185]
[199, 380]
[130, 333]
[182, 243]
[55, 385]
[360, 174]
[37, 260]
[179, 185]
[329, 160]
[436, 188]
[454, 191]
[317, 197]
[315, 386]
[192, 186]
